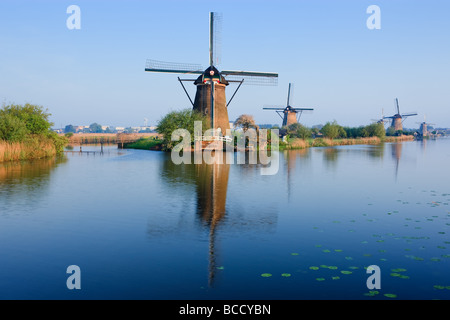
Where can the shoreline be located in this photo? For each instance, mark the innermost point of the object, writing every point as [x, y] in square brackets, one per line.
[295, 144]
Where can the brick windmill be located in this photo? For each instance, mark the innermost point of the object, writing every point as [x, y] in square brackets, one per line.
[289, 114]
[397, 119]
[210, 96]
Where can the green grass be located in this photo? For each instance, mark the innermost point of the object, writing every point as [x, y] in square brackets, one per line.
[145, 144]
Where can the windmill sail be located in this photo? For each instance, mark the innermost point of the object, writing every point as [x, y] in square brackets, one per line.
[173, 67]
[215, 38]
[252, 77]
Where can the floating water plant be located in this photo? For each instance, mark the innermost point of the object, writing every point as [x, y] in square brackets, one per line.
[398, 270]
[346, 272]
[286, 275]
[390, 295]
[320, 279]
[266, 275]
[314, 268]
[371, 293]
[294, 254]
[332, 267]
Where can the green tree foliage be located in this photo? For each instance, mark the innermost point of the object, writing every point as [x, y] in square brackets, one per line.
[372, 130]
[35, 118]
[12, 129]
[69, 128]
[95, 128]
[183, 119]
[28, 122]
[296, 130]
[333, 130]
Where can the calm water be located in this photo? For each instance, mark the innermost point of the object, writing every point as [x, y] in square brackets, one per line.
[140, 227]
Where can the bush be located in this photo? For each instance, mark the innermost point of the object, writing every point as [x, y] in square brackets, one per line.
[12, 128]
[183, 119]
[30, 125]
[333, 130]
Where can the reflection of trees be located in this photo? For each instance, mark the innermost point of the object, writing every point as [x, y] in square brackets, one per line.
[24, 182]
[330, 155]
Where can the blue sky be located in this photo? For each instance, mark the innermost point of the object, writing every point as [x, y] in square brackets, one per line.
[339, 67]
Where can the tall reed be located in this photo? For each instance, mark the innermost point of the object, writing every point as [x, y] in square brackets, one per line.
[29, 149]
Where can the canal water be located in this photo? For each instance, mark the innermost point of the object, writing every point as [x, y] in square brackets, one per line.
[140, 227]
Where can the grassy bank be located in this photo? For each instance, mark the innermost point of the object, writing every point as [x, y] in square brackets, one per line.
[154, 143]
[151, 143]
[36, 147]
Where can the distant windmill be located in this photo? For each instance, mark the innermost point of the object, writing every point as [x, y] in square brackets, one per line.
[289, 114]
[423, 130]
[382, 120]
[210, 96]
[397, 119]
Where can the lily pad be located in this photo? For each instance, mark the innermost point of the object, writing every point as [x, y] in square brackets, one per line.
[398, 270]
[332, 267]
[294, 254]
[335, 278]
[314, 268]
[390, 295]
[320, 279]
[286, 275]
[346, 272]
[266, 275]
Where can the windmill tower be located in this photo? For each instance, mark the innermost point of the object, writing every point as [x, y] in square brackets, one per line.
[210, 97]
[289, 114]
[423, 130]
[397, 119]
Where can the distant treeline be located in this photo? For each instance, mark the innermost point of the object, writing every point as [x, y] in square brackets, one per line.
[332, 130]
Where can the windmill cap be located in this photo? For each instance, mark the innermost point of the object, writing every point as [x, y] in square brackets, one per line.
[211, 73]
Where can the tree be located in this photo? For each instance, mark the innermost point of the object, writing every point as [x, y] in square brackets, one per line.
[376, 130]
[299, 131]
[70, 128]
[183, 119]
[29, 124]
[95, 128]
[12, 128]
[245, 122]
[333, 130]
[35, 118]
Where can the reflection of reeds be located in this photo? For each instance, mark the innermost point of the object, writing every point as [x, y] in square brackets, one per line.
[30, 149]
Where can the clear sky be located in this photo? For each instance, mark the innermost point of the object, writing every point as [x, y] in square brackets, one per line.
[339, 67]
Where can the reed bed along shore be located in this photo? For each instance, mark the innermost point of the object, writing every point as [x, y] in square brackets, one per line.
[107, 138]
[27, 150]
